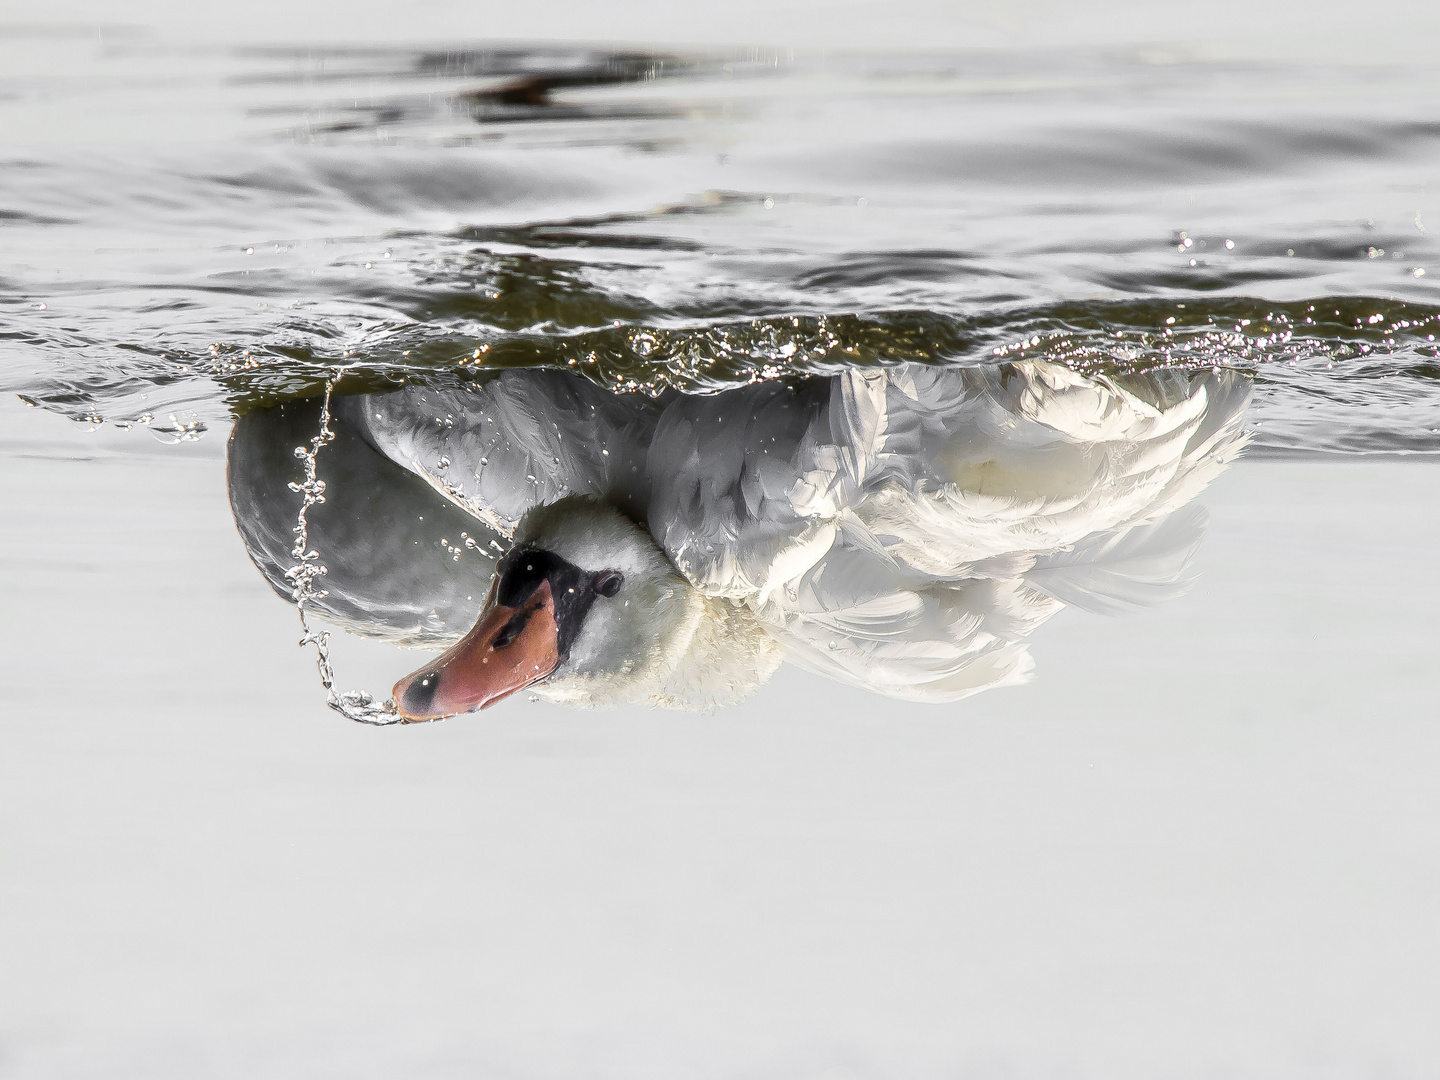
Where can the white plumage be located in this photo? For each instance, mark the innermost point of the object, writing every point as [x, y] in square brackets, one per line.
[903, 529]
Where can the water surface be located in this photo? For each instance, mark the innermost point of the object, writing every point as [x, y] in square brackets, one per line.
[695, 220]
[1198, 841]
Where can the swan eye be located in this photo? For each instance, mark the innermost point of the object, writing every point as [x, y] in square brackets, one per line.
[608, 582]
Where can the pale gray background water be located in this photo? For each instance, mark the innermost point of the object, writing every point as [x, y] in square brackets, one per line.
[1202, 843]
[1388, 28]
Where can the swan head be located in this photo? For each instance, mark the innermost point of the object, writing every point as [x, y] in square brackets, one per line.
[584, 608]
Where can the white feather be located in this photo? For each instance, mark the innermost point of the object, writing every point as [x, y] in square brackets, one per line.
[903, 529]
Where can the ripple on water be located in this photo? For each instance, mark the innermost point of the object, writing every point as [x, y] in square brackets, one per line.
[666, 221]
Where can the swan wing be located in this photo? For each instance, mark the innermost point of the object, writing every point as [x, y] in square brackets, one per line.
[906, 529]
[948, 472]
[748, 491]
[984, 464]
[521, 439]
[402, 564]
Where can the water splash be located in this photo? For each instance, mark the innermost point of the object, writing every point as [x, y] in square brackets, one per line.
[357, 705]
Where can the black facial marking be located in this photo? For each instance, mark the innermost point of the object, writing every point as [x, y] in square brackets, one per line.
[520, 573]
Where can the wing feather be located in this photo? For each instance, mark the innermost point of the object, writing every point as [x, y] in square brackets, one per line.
[907, 528]
[522, 439]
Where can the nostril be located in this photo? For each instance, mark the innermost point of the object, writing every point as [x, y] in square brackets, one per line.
[511, 630]
[420, 694]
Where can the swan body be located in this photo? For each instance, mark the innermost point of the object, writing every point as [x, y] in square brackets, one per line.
[902, 529]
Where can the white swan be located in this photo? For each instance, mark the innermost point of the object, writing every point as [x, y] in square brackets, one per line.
[902, 529]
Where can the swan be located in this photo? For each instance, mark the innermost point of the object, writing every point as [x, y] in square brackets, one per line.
[902, 529]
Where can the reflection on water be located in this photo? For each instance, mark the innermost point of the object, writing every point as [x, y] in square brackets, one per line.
[902, 529]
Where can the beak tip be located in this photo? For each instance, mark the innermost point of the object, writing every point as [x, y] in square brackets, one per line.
[523, 643]
[414, 696]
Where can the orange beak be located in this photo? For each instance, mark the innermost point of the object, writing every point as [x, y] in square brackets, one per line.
[507, 650]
